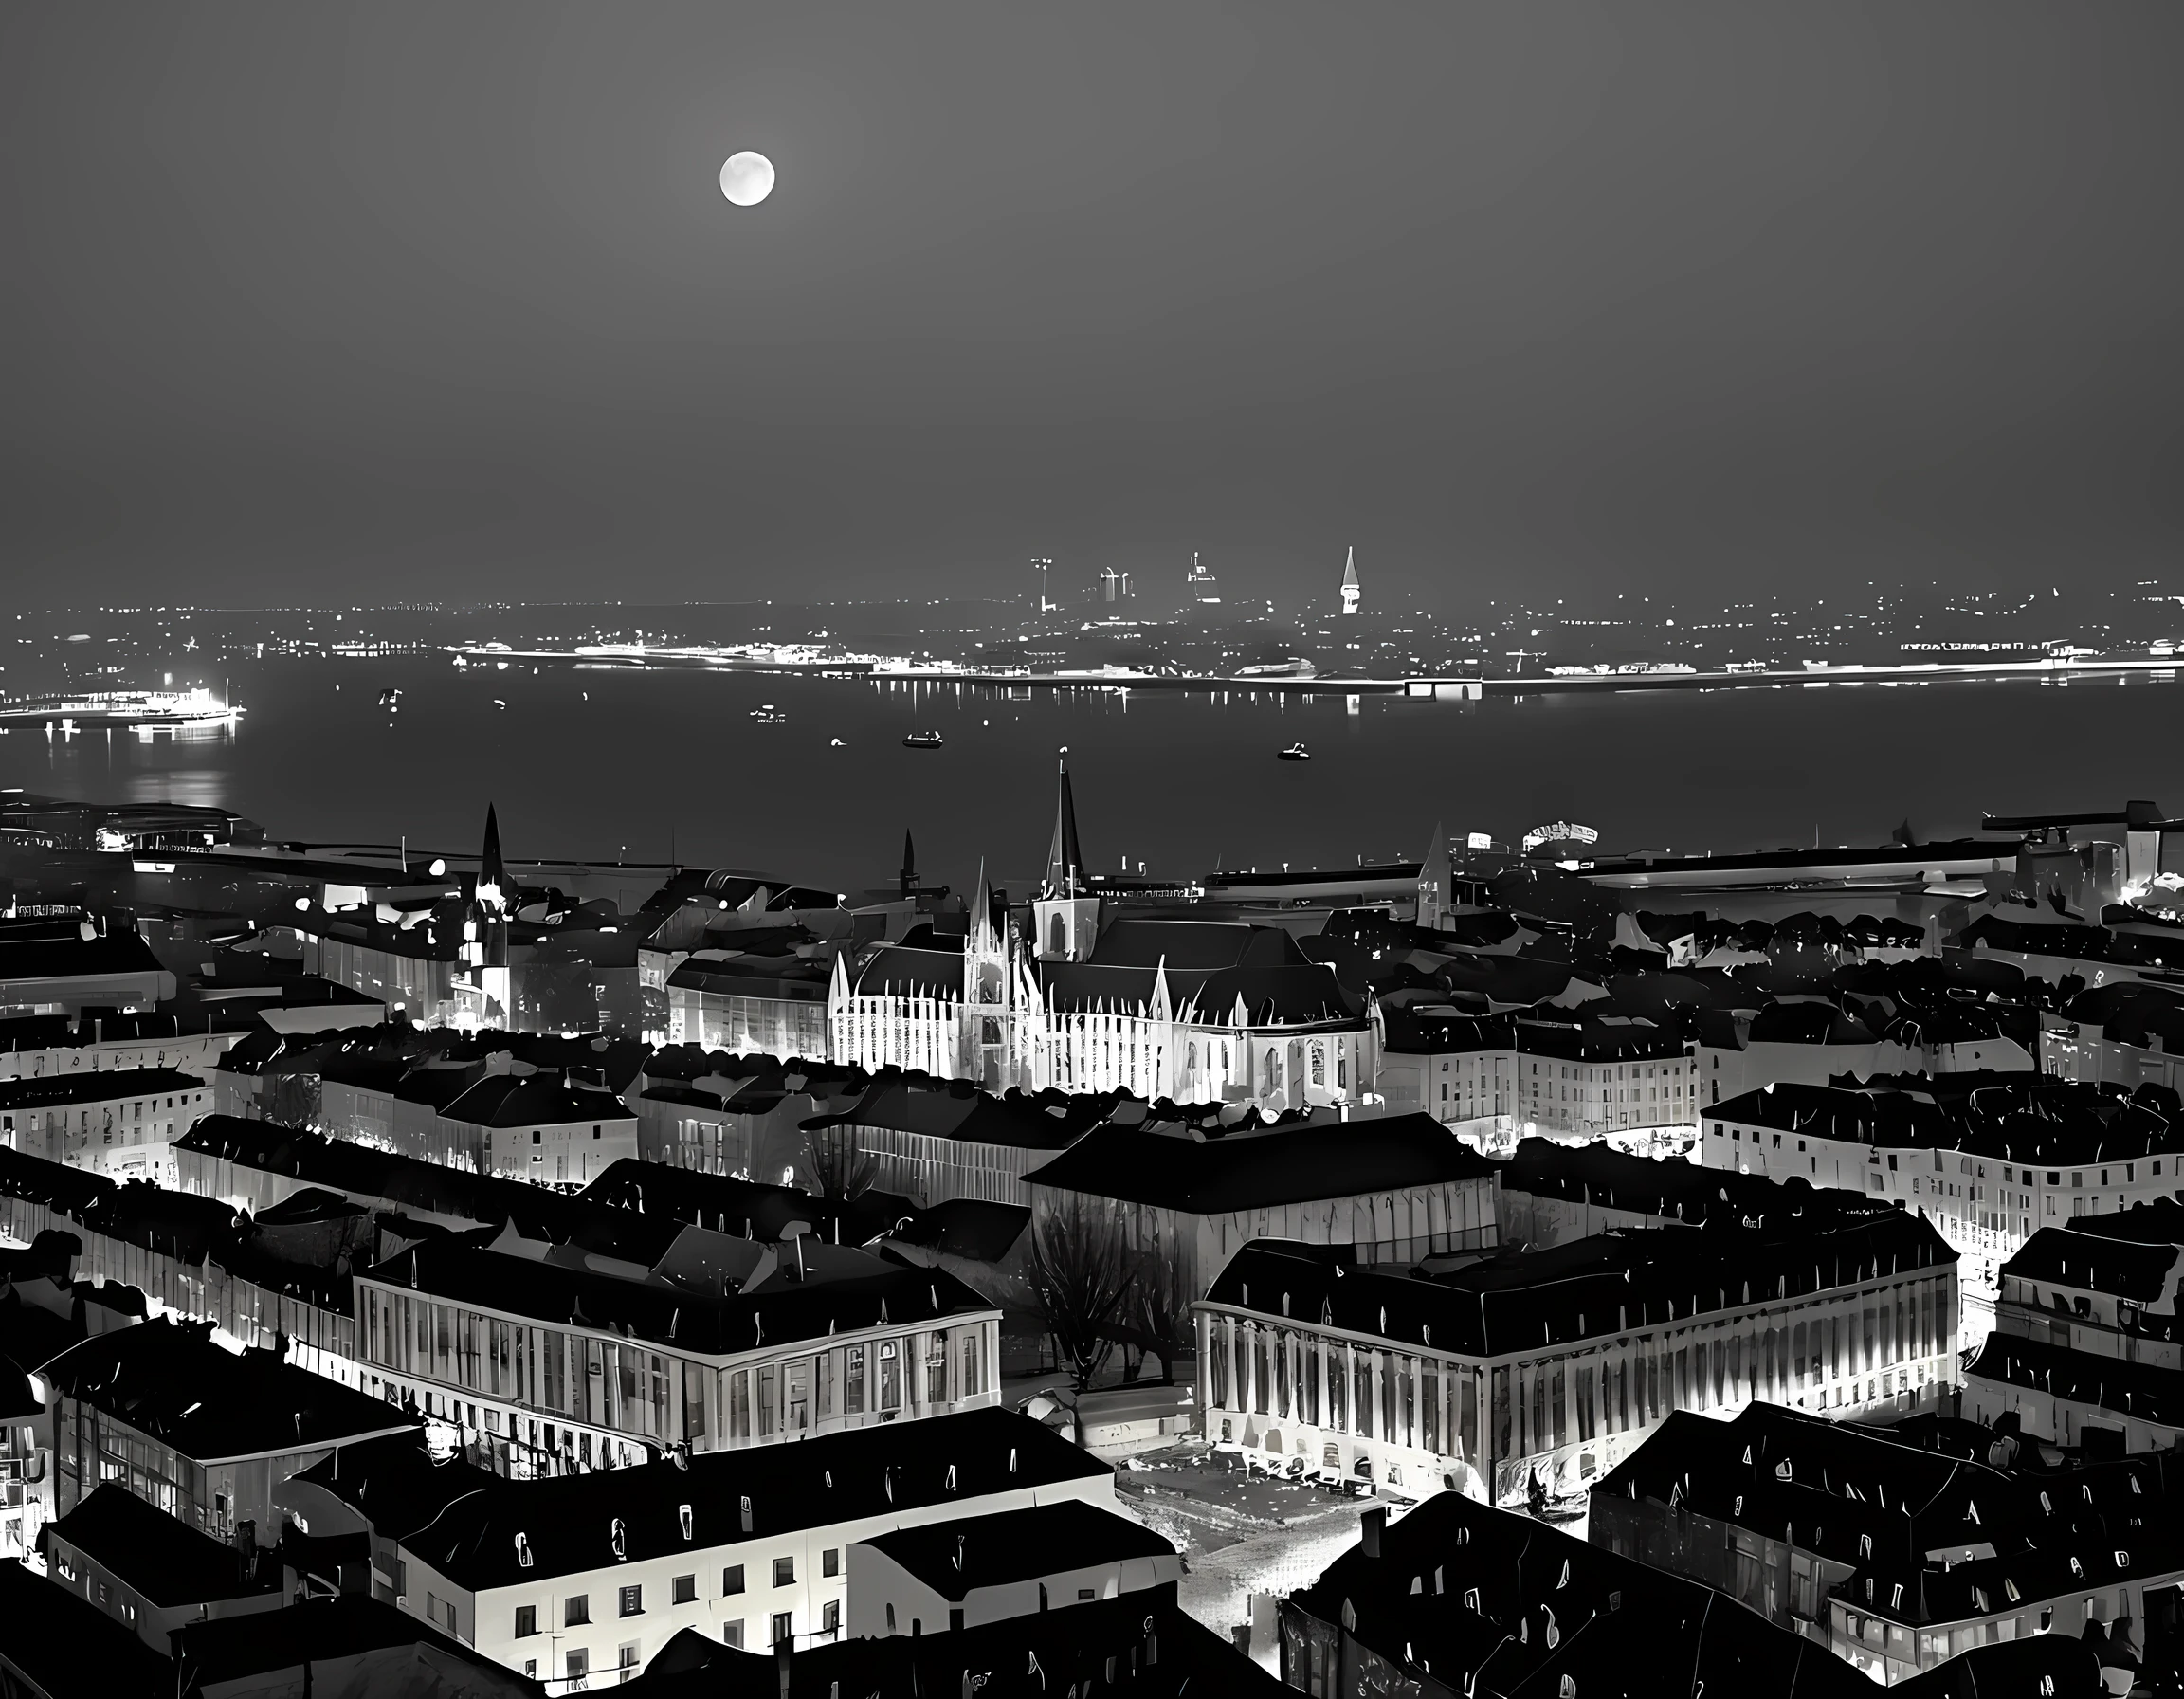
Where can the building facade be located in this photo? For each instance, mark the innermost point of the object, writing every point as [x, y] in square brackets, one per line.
[1539, 1371]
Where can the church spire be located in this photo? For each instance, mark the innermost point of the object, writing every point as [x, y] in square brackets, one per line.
[1065, 861]
[1352, 593]
[492, 875]
[909, 880]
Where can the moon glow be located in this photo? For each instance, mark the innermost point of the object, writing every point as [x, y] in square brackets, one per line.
[747, 178]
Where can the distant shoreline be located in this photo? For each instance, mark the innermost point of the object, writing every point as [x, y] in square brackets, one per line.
[892, 671]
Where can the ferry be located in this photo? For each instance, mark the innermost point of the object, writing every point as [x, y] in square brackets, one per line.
[1296, 751]
[766, 714]
[139, 709]
[922, 740]
[1295, 666]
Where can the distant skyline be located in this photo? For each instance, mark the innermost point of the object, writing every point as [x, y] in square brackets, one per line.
[354, 305]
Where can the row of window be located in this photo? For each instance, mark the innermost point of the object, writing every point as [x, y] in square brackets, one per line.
[683, 1589]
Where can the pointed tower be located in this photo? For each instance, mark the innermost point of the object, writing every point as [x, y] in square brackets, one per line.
[1435, 879]
[909, 884]
[1064, 860]
[492, 872]
[1069, 918]
[988, 986]
[1352, 595]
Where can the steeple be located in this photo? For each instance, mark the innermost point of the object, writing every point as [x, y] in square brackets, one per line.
[1436, 878]
[492, 875]
[1065, 861]
[909, 877]
[1351, 593]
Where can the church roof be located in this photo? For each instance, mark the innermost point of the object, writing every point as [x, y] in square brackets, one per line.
[898, 971]
[1206, 944]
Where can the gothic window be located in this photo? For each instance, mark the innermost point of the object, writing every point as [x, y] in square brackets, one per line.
[1059, 937]
[1319, 1066]
[1273, 1067]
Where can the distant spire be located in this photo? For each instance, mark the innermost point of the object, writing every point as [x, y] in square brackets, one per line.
[1065, 861]
[490, 871]
[909, 874]
[1352, 593]
[1435, 877]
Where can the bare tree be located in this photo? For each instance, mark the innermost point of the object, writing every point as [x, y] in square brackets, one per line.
[1080, 1275]
[1159, 1309]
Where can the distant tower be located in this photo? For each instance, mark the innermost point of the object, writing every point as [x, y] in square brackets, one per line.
[1350, 593]
[1068, 916]
[1043, 568]
[1199, 580]
[909, 882]
[1110, 584]
[492, 872]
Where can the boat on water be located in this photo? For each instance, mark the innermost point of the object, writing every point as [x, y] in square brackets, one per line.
[922, 740]
[389, 698]
[1296, 751]
[1295, 666]
[766, 714]
[499, 704]
[140, 708]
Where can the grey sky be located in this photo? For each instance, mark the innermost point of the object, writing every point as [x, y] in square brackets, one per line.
[333, 304]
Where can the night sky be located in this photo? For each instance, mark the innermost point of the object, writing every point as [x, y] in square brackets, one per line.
[345, 304]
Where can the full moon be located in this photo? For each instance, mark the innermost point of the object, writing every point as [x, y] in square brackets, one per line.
[747, 178]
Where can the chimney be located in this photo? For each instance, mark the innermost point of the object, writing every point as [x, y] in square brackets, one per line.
[1370, 1527]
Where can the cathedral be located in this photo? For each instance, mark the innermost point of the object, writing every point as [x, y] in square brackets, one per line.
[1078, 991]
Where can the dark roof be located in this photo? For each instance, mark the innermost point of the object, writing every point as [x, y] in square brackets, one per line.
[956, 1558]
[413, 1184]
[534, 1100]
[1170, 1166]
[958, 1110]
[1530, 1300]
[2032, 1118]
[568, 1522]
[1204, 945]
[231, 1648]
[895, 971]
[1551, 1610]
[2122, 1388]
[1156, 1651]
[1828, 1485]
[970, 1227]
[1671, 1189]
[97, 1085]
[79, 1650]
[160, 1556]
[2138, 1265]
[737, 974]
[65, 954]
[848, 1290]
[167, 1380]
[59, 1187]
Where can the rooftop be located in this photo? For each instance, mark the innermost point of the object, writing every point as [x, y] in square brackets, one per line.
[465, 1522]
[1519, 1302]
[169, 1381]
[160, 1556]
[956, 1558]
[710, 1295]
[1176, 1165]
